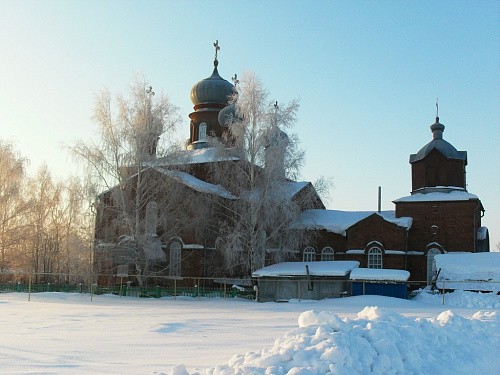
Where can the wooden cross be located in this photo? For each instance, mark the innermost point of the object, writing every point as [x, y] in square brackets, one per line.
[217, 48]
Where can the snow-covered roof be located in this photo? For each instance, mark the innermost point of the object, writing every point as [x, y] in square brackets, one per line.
[197, 184]
[444, 147]
[379, 274]
[469, 271]
[199, 156]
[339, 221]
[327, 268]
[193, 246]
[285, 190]
[445, 195]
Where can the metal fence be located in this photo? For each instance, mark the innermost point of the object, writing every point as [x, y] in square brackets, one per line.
[282, 289]
[154, 287]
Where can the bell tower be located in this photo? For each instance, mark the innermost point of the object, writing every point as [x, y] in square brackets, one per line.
[438, 164]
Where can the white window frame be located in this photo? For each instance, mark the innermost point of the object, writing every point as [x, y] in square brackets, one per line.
[309, 254]
[202, 132]
[375, 260]
[327, 254]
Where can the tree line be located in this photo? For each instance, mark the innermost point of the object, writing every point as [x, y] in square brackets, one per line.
[46, 226]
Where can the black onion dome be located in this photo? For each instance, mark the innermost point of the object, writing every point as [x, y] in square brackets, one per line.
[213, 89]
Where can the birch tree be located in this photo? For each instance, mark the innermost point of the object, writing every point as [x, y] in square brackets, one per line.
[13, 205]
[121, 160]
[269, 159]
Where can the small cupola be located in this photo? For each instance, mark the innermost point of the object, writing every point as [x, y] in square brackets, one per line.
[437, 129]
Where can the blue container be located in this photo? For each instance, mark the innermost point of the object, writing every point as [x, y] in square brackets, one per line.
[399, 290]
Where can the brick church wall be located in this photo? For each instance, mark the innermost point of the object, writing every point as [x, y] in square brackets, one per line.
[417, 265]
[437, 170]
[375, 228]
[451, 224]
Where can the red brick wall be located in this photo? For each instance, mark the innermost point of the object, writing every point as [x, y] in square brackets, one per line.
[454, 220]
[210, 117]
[374, 228]
[417, 265]
[436, 170]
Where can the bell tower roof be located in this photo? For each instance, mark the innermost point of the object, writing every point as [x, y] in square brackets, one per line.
[438, 164]
[439, 144]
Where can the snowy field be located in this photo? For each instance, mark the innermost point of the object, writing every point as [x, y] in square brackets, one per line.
[58, 333]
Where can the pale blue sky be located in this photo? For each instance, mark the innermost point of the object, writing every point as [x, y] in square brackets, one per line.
[367, 74]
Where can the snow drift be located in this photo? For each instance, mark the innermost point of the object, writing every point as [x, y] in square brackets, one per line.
[377, 341]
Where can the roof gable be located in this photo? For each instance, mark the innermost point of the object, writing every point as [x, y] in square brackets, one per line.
[385, 218]
[340, 221]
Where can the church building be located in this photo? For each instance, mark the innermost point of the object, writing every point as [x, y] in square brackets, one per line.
[439, 216]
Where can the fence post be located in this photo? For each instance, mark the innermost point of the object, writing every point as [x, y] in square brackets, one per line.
[224, 288]
[442, 292]
[175, 288]
[29, 288]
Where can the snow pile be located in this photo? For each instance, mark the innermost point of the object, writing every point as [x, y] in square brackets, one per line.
[460, 299]
[377, 341]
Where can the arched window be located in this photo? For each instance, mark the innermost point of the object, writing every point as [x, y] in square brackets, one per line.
[202, 132]
[309, 254]
[327, 254]
[375, 257]
[431, 263]
[175, 258]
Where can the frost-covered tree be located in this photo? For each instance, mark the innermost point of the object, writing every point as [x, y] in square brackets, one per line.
[268, 161]
[122, 162]
[13, 205]
[55, 243]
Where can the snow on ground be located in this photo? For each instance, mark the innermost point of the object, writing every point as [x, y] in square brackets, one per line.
[58, 333]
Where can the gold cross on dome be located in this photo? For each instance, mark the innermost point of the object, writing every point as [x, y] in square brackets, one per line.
[217, 48]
